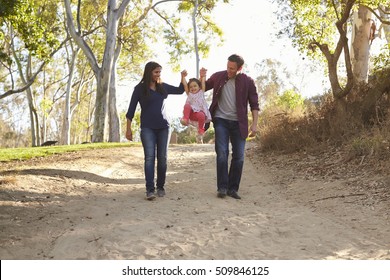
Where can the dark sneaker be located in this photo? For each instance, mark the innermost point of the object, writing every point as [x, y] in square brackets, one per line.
[160, 192]
[234, 195]
[221, 193]
[150, 196]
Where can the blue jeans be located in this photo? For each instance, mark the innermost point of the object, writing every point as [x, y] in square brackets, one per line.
[152, 140]
[225, 131]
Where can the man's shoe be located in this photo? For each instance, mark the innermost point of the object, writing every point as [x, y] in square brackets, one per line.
[234, 195]
[221, 193]
[160, 192]
[150, 196]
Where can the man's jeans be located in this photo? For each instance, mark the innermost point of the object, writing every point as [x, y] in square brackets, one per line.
[152, 139]
[226, 130]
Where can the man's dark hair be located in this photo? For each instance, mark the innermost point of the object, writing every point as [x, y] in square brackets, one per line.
[237, 59]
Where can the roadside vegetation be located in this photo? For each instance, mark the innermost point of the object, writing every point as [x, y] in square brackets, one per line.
[14, 154]
[323, 123]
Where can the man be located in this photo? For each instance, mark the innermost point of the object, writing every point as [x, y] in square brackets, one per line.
[232, 92]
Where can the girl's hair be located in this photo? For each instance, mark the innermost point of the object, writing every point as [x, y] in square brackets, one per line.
[147, 78]
[196, 81]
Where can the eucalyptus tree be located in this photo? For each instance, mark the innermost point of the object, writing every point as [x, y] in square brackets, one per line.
[79, 80]
[139, 21]
[363, 29]
[69, 107]
[195, 27]
[205, 31]
[32, 26]
[203, 20]
[30, 39]
[367, 23]
[325, 25]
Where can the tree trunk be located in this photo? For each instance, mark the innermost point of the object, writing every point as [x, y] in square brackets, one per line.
[194, 26]
[35, 132]
[103, 73]
[44, 114]
[333, 57]
[115, 124]
[65, 135]
[360, 47]
[101, 122]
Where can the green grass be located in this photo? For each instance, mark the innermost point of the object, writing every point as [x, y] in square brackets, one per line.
[28, 153]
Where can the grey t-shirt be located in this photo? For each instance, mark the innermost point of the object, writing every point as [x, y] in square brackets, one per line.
[227, 108]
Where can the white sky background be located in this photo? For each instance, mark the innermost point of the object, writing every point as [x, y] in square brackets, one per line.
[249, 28]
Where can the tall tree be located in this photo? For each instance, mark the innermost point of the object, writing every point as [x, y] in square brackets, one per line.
[315, 29]
[105, 70]
[69, 107]
[36, 30]
[363, 32]
[30, 37]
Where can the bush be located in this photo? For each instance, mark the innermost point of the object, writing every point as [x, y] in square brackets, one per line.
[328, 122]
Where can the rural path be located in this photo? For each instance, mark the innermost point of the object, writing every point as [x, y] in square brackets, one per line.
[90, 205]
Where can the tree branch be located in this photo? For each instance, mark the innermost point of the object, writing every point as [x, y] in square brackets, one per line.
[387, 22]
[31, 80]
[163, 1]
[79, 40]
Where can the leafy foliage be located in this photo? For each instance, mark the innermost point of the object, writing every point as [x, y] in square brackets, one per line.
[182, 43]
[37, 27]
[8, 7]
[290, 100]
[314, 21]
[382, 60]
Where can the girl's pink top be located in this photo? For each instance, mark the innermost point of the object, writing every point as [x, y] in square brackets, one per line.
[198, 103]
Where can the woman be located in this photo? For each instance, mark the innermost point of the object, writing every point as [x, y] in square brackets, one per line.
[151, 94]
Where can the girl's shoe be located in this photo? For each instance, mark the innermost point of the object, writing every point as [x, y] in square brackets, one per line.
[184, 122]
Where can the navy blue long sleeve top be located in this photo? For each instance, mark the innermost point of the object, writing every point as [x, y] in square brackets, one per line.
[153, 110]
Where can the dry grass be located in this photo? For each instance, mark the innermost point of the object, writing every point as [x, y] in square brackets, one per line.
[330, 124]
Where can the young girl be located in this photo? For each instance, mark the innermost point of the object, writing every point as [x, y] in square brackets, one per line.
[196, 108]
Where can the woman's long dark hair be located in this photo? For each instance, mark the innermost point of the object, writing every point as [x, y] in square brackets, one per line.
[147, 78]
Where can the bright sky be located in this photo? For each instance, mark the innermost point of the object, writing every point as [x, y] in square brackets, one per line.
[249, 28]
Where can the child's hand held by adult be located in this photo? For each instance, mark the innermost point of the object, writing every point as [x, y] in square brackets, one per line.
[202, 72]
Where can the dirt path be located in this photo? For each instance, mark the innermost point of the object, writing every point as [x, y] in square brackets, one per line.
[90, 205]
